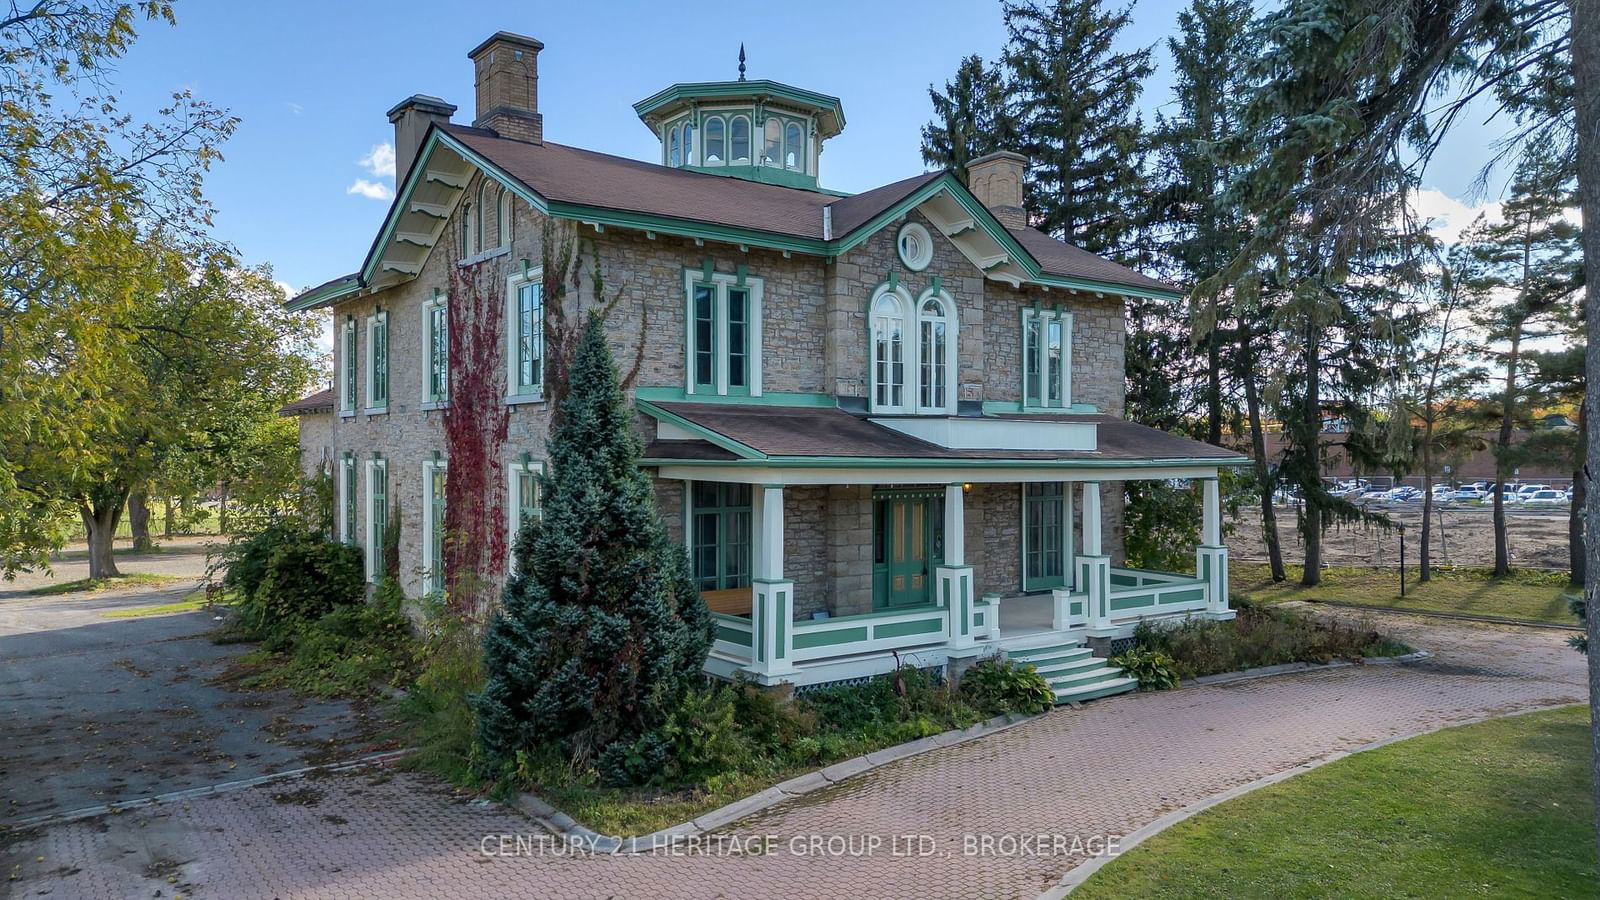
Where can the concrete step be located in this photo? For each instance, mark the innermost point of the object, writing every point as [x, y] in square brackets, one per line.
[1070, 666]
[1048, 651]
[1084, 676]
[1097, 689]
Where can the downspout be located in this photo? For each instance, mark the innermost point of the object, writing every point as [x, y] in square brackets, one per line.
[827, 223]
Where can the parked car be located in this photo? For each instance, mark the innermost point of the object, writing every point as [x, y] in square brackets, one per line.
[1402, 494]
[1527, 490]
[1468, 493]
[1545, 498]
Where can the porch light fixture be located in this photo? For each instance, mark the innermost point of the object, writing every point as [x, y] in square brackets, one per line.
[966, 488]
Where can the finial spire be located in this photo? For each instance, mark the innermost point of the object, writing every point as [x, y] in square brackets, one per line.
[741, 60]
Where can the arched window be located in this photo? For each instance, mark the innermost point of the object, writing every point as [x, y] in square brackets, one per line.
[716, 150]
[502, 234]
[690, 157]
[794, 148]
[739, 138]
[673, 159]
[480, 229]
[772, 153]
[468, 229]
[935, 341]
[888, 350]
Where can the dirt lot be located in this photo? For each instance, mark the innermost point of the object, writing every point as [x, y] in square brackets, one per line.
[1462, 535]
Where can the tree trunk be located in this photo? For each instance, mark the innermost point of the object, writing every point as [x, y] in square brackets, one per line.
[1311, 504]
[222, 510]
[139, 520]
[166, 514]
[1502, 554]
[1214, 387]
[1423, 560]
[1258, 444]
[100, 523]
[1577, 557]
[1585, 44]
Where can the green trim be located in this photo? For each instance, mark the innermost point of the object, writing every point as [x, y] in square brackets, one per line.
[733, 91]
[868, 617]
[326, 294]
[734, 635]
[679, 395]
[805, 640]
[873, 462]
[902, 629]
[726, 443]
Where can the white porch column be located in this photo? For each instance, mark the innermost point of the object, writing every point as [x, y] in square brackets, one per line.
[953, 577]
[1211, 559]
[1094, 567]
[772, 603]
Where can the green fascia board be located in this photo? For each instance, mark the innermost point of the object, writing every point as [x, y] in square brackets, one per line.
[732, 446]
[732, 90]
[876, 462]
[764, 175]
[1011, 407]
[679, 395]
[324, 295]
[728, 234]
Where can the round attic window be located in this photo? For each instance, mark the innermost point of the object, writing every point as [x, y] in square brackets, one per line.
[915, 245]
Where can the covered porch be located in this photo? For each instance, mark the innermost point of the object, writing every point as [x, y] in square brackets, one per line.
[928, 605]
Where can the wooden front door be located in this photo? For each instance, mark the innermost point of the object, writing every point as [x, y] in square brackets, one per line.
[907, 545]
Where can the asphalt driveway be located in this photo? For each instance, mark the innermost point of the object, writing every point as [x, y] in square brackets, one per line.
[99, 710]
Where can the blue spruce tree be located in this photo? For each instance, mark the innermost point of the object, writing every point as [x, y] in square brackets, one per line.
[602, 630]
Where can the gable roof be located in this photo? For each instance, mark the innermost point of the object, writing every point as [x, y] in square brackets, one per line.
[605, 190]
[320, 402]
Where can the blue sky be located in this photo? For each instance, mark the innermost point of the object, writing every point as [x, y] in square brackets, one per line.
[311, 83]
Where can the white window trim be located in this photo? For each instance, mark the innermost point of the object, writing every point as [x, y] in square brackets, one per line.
[1046, 316]
[347, 497]
[429, 400]
[952, 320]
[1069, 560]
[503, 218]
[429, 466]
[534, 275]
[723, 281]
[750, 141]
[924, 236]
[374, 538]
[704, 123]
[380, 317]
[347, 384]
[514, 473]
[908, 339]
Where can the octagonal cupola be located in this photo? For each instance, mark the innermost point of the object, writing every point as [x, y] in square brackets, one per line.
[759, 130]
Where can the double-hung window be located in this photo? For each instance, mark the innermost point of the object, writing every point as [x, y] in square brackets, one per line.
[524, 500]
[724, 333]
[720, 534]
[1046, 358]
[525, 335]
[377, 515]
[378, 362]
[349, 366]
[433, 509]
[347, 498]
[436, 350]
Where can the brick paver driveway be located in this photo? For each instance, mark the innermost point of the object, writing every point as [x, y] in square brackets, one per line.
[1105, 768]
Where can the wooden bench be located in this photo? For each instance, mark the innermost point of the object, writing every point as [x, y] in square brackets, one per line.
[728, 601]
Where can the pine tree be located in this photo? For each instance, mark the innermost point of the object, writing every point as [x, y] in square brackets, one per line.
[601, 631]
[1531, 257]
[1075, 97]
[972, 117]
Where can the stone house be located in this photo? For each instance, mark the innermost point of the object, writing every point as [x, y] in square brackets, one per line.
[881, 423]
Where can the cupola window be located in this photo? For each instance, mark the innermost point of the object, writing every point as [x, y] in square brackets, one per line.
[690, 157]
[773, 153]
[716, 151]
[794, 150]
[673, 159]
[739, 137]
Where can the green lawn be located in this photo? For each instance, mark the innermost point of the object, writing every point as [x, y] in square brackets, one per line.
[1497, 809]
[94, 585]
[1530, 595]
[194, 601]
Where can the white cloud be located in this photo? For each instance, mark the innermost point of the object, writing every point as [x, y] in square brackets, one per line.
[294, 107]
[373, 190]
[379, 162]
[1447, 217]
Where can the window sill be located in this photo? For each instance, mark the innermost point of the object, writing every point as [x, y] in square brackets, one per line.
[520, 399]
[348, 413]
[376, 411]
[485, 255]
[430, 405]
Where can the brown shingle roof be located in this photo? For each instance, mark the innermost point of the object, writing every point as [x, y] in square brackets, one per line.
[321, 401]
[1059, 258]
[784, 431]
[587, 178]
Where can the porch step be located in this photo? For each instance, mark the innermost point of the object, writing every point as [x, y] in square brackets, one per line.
[1098, 689]
[1074, 672]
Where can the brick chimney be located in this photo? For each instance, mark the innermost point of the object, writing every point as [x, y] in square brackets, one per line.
[411, 118]
[996, 180]
[506, 71]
